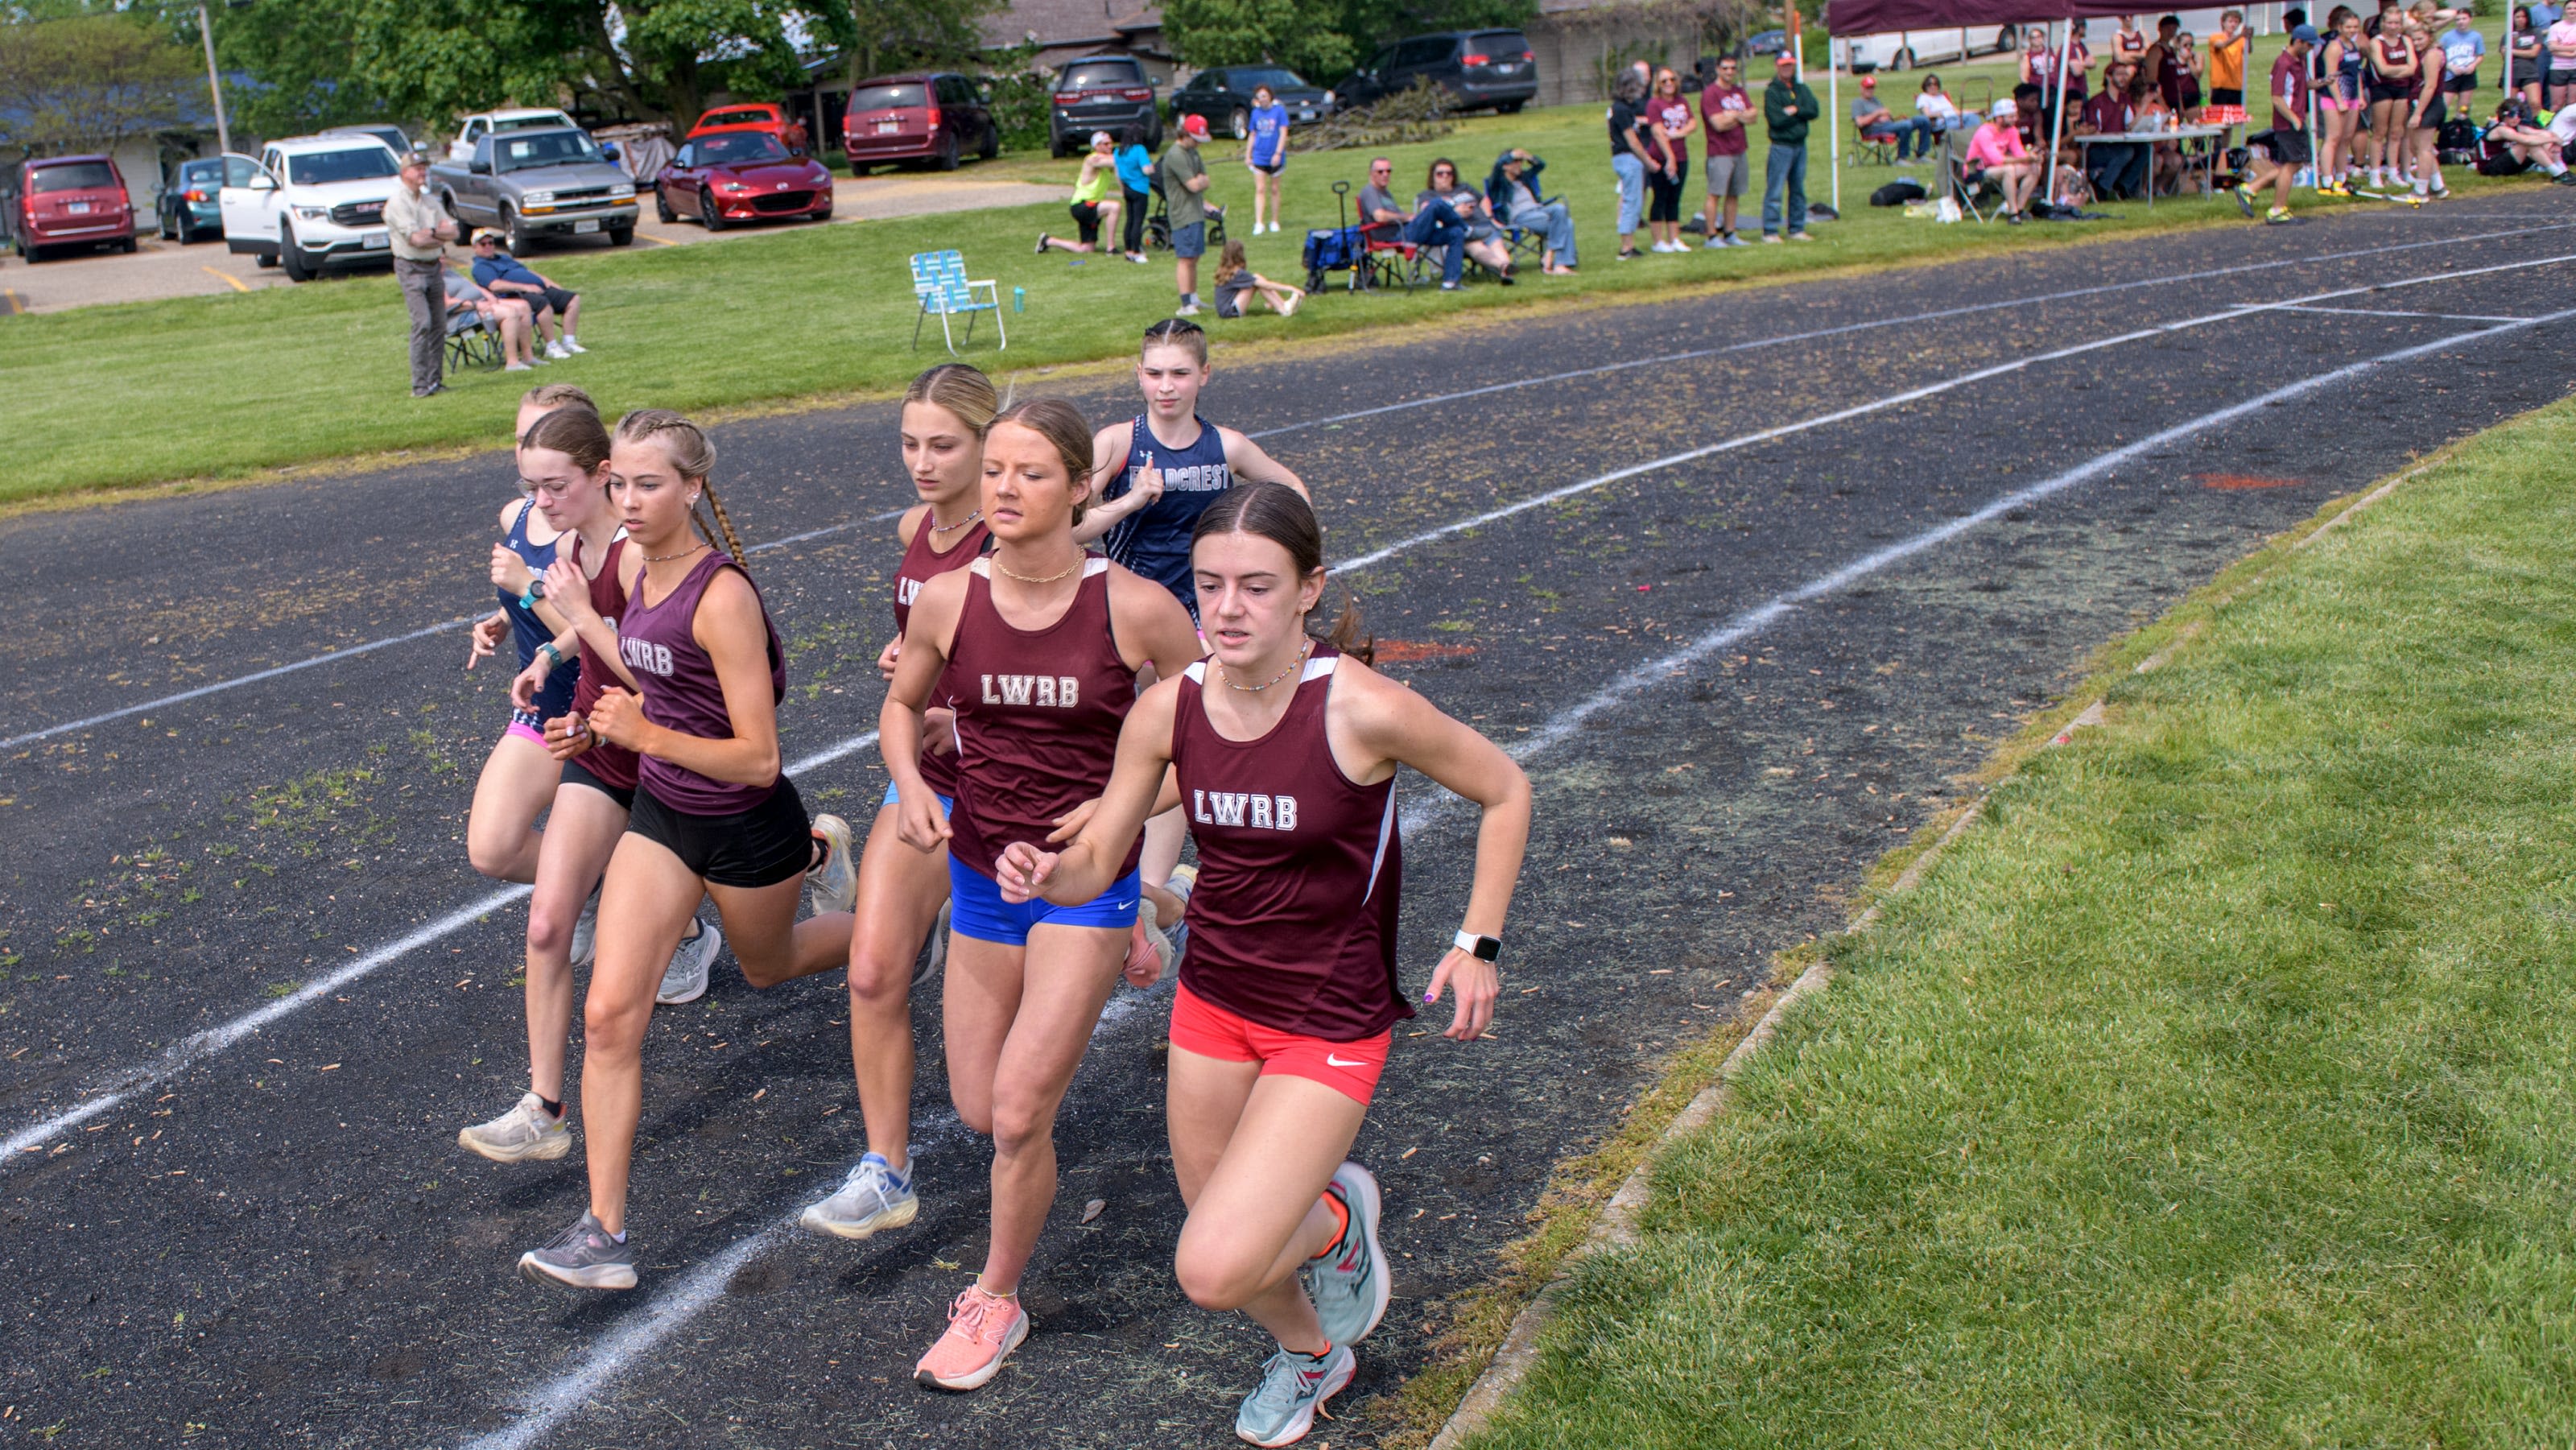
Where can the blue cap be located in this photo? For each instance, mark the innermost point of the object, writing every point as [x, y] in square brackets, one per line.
[2307, 33]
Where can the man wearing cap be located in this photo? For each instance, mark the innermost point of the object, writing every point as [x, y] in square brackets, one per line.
[419, 229]
[506, 276]
[1872, 119]
[1185, 178]
[1787, 109]
[2273, 158]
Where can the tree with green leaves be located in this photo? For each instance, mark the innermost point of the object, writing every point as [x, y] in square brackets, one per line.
[88, 82]
[1304, 35]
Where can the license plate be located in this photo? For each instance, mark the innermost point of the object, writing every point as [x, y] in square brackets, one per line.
[585, 228]
[77, 208]
[888, 128]
[1305, 115]
[373, 240]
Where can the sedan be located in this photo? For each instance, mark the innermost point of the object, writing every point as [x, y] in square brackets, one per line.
[191, 204]
[730, 176]
[1224, 96]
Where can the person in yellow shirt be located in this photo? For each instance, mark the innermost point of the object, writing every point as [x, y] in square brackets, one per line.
[2227, 60]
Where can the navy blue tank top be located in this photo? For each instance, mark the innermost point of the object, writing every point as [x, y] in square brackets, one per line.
[528, 630]
[1155, 541]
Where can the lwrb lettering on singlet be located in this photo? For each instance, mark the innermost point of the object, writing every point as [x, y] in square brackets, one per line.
[1265, 812]
[1058, 692]
[643, 654]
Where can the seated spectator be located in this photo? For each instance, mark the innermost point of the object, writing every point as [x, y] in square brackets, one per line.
[1997, 152]
[507, 316]
[503, 275]
[1875, 122]
[1484, 239]
[1431, 224]
[1093, 206]
[1238, 287]
[2118, 171]
[2152, 114]
[1512, 191]
[1934, 105]
[2514, 142]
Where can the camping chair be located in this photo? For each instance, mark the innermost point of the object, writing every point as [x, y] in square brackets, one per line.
[1868, 150]
[939, 281]
[1964, 185]
[471, 341]
[1527, 244]
[1392, 261]
[1158, 227]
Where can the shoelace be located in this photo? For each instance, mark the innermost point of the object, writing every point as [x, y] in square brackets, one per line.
[578, 1234]
[1285, 1381]
[968, 1314]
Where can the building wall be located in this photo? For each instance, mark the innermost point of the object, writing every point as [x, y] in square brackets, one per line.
[1571, 58]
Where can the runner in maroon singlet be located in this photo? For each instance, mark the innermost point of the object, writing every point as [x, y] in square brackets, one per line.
[903, 889]
[1284, 750]
[1037, 646]
[714, 813]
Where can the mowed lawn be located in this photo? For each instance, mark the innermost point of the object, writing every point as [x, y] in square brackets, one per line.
[2218, 1089]
[218, 387]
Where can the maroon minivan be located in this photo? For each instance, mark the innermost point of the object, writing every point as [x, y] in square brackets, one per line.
[70, 201]
[933, 116]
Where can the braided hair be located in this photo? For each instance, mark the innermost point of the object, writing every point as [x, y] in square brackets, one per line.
[693, 456]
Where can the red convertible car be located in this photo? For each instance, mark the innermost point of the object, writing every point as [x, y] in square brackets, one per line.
[729, 176]
[753, 116]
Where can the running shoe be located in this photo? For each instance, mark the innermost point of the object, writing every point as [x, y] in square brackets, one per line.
[835, 878]
[2276, 216]
[1735, 240]
[1771, 238]
[938, 947]
[685, 979]
[983, 1329]
[1288, 305]
[1185, 879]
[571, 346]
[581, 1257]
[1713, 244]
[1147, 942]
[585, 932]
[1043, 239]
[2244, 200]
[557, 351]
[1349, 1284]
[1800, 237]
[517, 367]
[1293, 1387]
[526, 1131]
[1187, 309]
[872, 1198]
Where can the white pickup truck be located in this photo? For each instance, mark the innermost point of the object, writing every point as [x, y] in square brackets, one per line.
[313, 201]
[492, 123]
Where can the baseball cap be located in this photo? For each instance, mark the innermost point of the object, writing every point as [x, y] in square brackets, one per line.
[485, 234]
[1194, 125]
[2307, 33]
[2003, 107]
[415, 158]
[1099, 136]
[1869, 83]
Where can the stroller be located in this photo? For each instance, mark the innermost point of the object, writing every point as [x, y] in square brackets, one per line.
[1158, 227]
[1342, 249]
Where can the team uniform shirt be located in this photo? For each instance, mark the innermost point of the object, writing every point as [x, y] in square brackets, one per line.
[681, 691]
[2109, 114]
[1716, 100]
[1038, 713]
[608, 764]
[1269, 135]
[1154, 541]
[528, 631]
[921, 564]
[2289, 80]
[1292, 924]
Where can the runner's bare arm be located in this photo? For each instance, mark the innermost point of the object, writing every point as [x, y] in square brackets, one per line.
[1090, 862]
[729, 628]
[926, 641]
[1150, 626]
[1246, 460]
[570, 593]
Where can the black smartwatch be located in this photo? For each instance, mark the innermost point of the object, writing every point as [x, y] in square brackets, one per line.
[1482, 948]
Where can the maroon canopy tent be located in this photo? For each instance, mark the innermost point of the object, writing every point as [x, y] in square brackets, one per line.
[1869, 17]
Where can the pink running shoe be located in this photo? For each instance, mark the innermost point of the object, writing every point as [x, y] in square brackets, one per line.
[983, 1329]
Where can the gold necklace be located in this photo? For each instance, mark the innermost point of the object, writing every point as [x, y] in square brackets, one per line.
[937, 527]
[1050, 579]
[1307, 649]
[667, 558]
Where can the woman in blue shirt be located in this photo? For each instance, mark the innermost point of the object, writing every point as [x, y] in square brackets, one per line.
[1265, 154]
[1133, 178]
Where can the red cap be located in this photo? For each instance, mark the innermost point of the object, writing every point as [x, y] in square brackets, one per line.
[1195, 125]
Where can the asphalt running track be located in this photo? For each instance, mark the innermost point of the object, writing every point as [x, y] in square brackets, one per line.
[1749, 606]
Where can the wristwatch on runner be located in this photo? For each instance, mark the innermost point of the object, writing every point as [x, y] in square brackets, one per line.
[1482, 948]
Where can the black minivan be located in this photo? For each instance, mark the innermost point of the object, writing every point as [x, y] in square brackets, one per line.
[1481, 69]
[1101, 93]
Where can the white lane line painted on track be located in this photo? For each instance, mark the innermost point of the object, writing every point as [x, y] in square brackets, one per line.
[2391, 312]
[1487, 390]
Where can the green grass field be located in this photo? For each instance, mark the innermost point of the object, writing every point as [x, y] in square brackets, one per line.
[220, 387]
[2214, 1091]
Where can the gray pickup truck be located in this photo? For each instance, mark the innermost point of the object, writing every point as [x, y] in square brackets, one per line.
[552, 182]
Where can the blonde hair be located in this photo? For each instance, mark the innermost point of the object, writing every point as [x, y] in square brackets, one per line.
[1062, 425]
[556, 395]
[693, 456]
[962, 390]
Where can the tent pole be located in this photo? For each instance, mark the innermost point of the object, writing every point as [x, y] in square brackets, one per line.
[1833, 129]
[2057, 123]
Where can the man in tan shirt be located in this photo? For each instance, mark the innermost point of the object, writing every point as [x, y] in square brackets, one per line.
[420, 228]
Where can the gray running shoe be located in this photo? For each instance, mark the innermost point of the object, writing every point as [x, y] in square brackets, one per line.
[1293, 1387]
[872, 1198]
[585, 933]
[526, 1131]
[581, 1257]
[1185, 879]
[938, 947]
[835, 878]
[1349, 1285]
[685, 980]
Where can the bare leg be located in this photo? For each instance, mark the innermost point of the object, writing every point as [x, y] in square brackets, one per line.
[582, 833]
[900, 889]
[644, 906]
[768, 942]
[517, 784]
[1253, 1155]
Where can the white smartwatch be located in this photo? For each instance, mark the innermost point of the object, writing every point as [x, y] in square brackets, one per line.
[1482, 948]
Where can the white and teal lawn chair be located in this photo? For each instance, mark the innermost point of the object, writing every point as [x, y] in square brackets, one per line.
[939, 280]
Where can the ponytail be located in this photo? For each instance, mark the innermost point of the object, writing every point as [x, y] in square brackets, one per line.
[1276, 512]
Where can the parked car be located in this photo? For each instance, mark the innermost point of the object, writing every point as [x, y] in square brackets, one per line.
[1764, 44]
[723, 177]
[191, 203]
[1480, 69]
[1906, 49]
[531, 183]
[931, 116]
[492, 123]
[392, 136]
[1101, 93]
[71, 201]
[753, 116]
[311, 202]
[1224, 97]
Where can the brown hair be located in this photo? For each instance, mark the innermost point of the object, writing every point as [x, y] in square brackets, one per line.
[1062, 425]
[962, 390]
[1176, 332]
[1433, 169]
[1276, 512]
[1230, 261]
[557, 395]
[693, 455]
[574, 432]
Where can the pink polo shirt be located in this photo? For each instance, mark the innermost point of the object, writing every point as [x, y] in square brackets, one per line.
[1994, 144]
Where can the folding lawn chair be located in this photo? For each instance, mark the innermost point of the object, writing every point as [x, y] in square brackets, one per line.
[1527, 244]
[471, 341]
[1393, 261]
[1967, 185]
[1870, 150]
[939, 281]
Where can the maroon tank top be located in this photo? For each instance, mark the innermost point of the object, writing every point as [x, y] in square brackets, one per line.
[1300, 871]
[922, 563]
[608, 764]
[1038, 713]
[681, 691]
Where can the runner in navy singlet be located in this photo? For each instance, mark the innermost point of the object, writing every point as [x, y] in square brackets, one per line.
[1036, 645]
[714, 815]
[1284, 751]
[903, 889]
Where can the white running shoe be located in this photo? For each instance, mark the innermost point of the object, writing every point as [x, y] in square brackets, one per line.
[835, 878]
[1288, 306]
[873, 1198]
[517, 367]
[1146, 943]
[557, 351]
[938, 947]
[685, 979]
[526, 1131]
[571, 346]
[585, 932]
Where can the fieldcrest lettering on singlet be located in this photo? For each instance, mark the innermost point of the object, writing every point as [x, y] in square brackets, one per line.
[1060, 692]
[1239, 808]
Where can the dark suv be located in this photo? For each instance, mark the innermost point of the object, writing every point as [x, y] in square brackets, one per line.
[1480, 69]
[922, 117]
[1101, 93]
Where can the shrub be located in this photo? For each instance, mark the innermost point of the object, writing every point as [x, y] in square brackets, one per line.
[1417, 114]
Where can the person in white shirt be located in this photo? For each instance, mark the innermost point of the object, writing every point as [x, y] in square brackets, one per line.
[1933, 104]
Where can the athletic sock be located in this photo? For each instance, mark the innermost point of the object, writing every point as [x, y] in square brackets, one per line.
[618, 1237]
[1341, 1213]
[553, 1109]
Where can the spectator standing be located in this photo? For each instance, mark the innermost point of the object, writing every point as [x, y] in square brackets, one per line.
[2343, 102]
[1092, 206]
[1670, 116]
[1265, 154]
[1724, 109]
[419, 227]
[1135, 186]
[2227, 60]
[1433, 224]
[1874, 122]
[2524, 62]
[2545, 15]
[1185, 183]
[2181, 82]
[2079, 66]
[1998, 151]
[1631, 153]
[2117, 170]
[2559, 36]
[2128, 46]
[1516, 196]
[1788, 108]
[503, 275]
[2274, 158]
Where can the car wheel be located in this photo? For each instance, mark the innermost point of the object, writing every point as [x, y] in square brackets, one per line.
[621, 236]
[710, 215]
[858, 168]
[127, 246]
[514, 233]
[946, 160]
[1509, 108]
[1903, 60]
[991, 146]
[32, 254]
[662, 207]
[2007, 40]
[290, 255]
[165, 231]
[1238, 124]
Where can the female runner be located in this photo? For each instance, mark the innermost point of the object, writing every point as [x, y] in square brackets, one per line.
[1287, 998]
[903, 889]
[2342, 102]
[2395, 65]
[1037, 646]
[714, 814]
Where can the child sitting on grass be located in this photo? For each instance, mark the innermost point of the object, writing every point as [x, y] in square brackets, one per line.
[1237, 284]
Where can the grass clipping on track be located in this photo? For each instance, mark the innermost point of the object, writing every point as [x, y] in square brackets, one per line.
[2214, 1090]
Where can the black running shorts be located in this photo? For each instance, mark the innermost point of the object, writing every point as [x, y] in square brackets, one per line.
[770, 843]
[2288, 145]
[575, 773]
